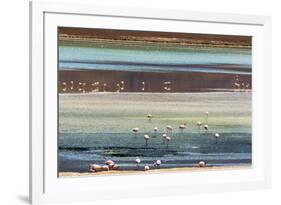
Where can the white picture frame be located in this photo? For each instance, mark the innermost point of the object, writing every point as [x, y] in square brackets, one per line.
[46, 187]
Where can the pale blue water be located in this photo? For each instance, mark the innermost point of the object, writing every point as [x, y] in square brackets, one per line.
[185, 59]
[78, 150]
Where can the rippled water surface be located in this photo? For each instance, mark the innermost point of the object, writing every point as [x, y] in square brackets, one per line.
[95, 127]
[153, 58]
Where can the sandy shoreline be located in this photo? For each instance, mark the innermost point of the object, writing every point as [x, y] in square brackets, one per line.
[154, 171]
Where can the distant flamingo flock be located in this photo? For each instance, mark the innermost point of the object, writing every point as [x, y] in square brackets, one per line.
[120, 86]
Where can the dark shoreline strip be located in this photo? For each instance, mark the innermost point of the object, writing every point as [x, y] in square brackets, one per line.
[180, 81]
[90, 34]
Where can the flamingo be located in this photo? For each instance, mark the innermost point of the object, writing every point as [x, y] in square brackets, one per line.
[79, 86]
[105, 168]
[167, 85]
[143, 85]
[122, 85]
[118, 87]
[157, 163]
[149, 116]
[71, 85]
[64, 88]
[199, 124]
[237, 86]
[206, 127]
[146, 138]
[169, 128]
[110, 163]
[146, 168]
[217, 135]
[182, 127]
[84, 85]
[164, 136]
[115, 167]
[138, 161]
[202, 164]
[95, 86]
[168, 140]
[95, 168]
[135, 130]
[155, 131]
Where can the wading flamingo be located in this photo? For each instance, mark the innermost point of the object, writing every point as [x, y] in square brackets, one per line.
[199, 124]
[143, 86]
[157, 163]
[167, 85]
[118, 87]
[182, 127]
[206, 127]
[109, 163]
[169, 128]
[95, 168]
[164, 137]
[146, 138]
[138, 161]
[71, 85]
[149, 116]
[146, 168]
[202, 164]
[105, 168]
[168, 139]
[64, 86]
[79, 86]
[216, 136]
[95, 86]
[122, 85]
[155, 131]
[135, 131]
[115, 167]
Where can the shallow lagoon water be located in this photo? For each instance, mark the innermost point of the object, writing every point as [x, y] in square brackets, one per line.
[184, 150]
[154, 58]
[94, 127]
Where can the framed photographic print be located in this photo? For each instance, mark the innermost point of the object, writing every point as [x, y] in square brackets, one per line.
[127, 99]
